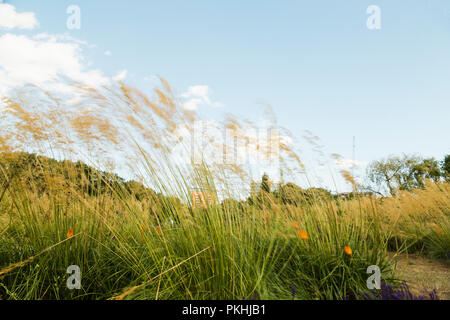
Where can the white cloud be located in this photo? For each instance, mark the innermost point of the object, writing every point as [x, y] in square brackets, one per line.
[120, 76]
[108, 53]
[44, 60]
[58, 37]
[196, 96]
[348, 163]
[10, 19]
[49, 61]
[192, 104]
[198, 91]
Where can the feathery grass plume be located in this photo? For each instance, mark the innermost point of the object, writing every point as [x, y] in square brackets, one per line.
[133, 289]
[23, 263]
[251, 246]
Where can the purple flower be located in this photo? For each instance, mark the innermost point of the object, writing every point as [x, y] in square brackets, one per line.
[388, 292]
[293, 290]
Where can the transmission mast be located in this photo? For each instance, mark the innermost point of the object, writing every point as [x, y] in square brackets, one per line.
[354, 156]
[354, 162]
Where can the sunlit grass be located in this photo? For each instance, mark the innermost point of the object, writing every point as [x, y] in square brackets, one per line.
[120, 245]
[135, 243]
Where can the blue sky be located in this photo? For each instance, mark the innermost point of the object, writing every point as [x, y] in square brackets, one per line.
[315, 62]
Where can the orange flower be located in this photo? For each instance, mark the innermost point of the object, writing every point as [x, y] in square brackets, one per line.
[295, 225]
[70, 233]
[348, 250]
[159, 230]
[303, 234]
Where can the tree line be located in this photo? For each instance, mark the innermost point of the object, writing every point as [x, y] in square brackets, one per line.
[406, 172]
[385, 177]
[45, 175]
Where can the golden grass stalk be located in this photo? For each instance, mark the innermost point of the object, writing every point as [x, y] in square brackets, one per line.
[16, 265]
[131, 290]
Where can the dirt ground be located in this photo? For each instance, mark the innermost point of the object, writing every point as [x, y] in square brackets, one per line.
[422, 273]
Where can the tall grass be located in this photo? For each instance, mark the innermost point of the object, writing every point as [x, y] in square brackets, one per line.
[161, 247]
[244, 251]
[420, 220]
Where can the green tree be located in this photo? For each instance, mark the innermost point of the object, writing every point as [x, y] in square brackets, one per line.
[405, 172]
[45, 175]
[292, 194]
[265, 183]
[445, 167]
[426, 169]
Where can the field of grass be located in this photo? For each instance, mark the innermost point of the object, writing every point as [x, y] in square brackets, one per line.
[163, 249]
[133, 243]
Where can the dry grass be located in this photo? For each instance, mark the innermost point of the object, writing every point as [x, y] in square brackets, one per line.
[126, 242]
[424, 274]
